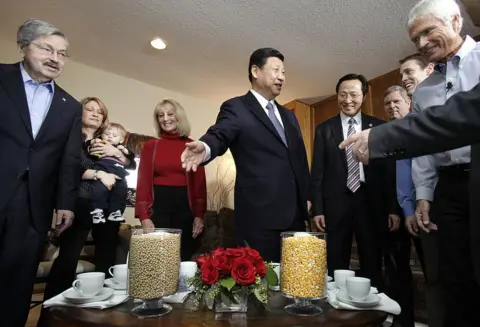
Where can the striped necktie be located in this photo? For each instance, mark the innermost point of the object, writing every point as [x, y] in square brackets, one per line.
[353, 179]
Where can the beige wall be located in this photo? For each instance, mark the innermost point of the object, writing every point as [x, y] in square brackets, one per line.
[130, 102]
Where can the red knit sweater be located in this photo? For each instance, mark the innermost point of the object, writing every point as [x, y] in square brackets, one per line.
[160, 165]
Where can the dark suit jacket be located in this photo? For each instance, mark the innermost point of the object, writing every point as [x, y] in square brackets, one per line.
[437, 129]
[329, 175]
[270, 176]
[52, 158]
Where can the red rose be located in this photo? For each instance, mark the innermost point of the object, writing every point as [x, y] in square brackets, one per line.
[217, 252]
[252, 255]
[201, 260]
[233, 253]
[243, 271]
[223, 263]
[260, 268]
[210, 274]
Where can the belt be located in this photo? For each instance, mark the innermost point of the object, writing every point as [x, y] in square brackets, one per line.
[455, 168]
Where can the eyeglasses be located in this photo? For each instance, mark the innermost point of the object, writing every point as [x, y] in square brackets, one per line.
[47, 50]
[353, 96]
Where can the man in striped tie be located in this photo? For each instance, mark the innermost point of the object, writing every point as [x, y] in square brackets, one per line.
[349, 198]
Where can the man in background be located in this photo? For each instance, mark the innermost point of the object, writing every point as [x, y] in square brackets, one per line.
[414, 69]
[349, 198]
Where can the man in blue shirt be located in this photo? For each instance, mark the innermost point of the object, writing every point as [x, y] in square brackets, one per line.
[414, 69]
[397, 255]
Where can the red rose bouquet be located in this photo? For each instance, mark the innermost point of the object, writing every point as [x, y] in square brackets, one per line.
[223, 272]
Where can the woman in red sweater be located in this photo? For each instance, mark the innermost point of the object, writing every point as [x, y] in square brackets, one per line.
[167, 196]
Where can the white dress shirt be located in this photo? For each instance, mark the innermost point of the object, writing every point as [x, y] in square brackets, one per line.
[358, 128]
[263, 103]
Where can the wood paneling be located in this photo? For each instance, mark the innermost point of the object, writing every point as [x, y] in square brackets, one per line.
[304, 115]
[325, 109]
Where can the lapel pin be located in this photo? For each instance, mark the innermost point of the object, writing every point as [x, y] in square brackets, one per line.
[370, 125]
[64, 100]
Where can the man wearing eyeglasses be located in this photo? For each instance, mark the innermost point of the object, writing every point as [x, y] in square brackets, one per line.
[349, 198]
[40, 144]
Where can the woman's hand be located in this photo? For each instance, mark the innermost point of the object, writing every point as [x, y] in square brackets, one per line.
[147, 224]
[107, 179]
[105, 150]
[197, 227]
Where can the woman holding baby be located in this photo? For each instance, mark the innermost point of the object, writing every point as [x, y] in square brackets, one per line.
[105, 235]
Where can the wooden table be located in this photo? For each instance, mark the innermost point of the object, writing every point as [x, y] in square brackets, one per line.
[182, 316]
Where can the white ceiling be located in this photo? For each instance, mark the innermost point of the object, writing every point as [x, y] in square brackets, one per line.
[210, 41]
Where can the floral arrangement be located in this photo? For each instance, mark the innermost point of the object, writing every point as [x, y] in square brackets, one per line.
[223, 272]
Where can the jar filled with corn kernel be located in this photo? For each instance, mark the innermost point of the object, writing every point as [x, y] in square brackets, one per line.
[303, 270]
[153, 269]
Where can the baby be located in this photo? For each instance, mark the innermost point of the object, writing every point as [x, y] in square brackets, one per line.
[103, 200]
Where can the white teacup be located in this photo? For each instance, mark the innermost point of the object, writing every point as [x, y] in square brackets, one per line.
[340, 275]
[276, 269]
[358, 288]
[187, 271]
[119, 273]
[89, 284]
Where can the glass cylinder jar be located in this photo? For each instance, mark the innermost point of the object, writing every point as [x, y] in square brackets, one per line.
[153, 269]
[303, 271]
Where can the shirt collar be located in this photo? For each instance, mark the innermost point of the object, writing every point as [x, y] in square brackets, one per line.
[27, 79]
[263, 102]
[467, 46]
[357, 117]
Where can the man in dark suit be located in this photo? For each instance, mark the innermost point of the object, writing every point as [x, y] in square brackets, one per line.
[40, 144]
[436, 129]
[347, 197]
[267, 146]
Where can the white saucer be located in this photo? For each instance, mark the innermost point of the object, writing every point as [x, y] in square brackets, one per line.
[329, 278]
[110, 282]
[74, 297]
[371, 300]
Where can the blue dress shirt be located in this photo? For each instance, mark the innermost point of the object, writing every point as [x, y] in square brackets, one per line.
[39, 98]
[405, 188]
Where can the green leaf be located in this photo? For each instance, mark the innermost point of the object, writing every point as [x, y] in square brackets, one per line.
[209, 299]
[228, 283]
[261, 292]
[272, 279]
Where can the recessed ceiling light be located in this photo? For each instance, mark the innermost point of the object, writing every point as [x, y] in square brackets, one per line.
[158, 43]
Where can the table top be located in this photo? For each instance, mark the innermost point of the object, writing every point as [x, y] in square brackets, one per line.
[182, 316]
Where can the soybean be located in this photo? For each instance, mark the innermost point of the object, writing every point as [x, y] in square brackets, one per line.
[154, 264]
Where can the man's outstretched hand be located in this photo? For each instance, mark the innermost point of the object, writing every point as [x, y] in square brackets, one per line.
[359, 144]
[193, 155]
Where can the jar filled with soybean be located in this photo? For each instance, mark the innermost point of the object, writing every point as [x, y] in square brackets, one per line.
[153, 269]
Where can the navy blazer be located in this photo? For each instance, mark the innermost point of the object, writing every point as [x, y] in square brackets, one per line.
[52, 158]
[271, 177]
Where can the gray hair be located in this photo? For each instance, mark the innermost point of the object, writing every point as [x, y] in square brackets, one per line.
[32, 29]
[399, 89]
[443, 10]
